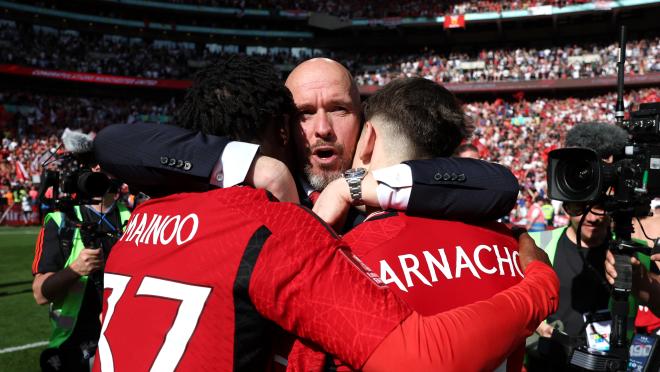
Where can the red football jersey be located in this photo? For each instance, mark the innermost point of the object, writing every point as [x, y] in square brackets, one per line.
[434, 266]
[437, 265]
[197, 279]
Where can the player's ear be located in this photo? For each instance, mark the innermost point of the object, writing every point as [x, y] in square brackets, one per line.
[365, 148]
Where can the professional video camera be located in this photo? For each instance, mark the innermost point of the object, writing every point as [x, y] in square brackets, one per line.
[624, 189]
[74, 183]
[70, 175]
[580, 175]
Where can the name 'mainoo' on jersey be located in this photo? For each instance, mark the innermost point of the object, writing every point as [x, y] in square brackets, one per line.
[154, 228]
[507, 264]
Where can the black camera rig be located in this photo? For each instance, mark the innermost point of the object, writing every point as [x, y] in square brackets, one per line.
[72, 181]
[624, 189]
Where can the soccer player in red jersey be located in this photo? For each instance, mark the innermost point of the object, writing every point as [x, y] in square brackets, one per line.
[199, 280]
[434, 265]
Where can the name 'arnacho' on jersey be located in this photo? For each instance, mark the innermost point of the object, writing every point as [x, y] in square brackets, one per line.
[430, 266]
[437, 265]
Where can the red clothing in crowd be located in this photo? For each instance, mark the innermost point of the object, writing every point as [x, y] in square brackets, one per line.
[196, 279]
[646, 320]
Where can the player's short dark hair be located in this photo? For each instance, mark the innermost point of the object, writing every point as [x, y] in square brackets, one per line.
[238, 97]
[605, 139]
[425, 112]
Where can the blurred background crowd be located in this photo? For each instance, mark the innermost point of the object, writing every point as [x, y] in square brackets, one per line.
[388, 8]
[50, 48]
[516, 127]
[518, 133]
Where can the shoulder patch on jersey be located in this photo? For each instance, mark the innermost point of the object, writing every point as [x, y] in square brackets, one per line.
[362, 267]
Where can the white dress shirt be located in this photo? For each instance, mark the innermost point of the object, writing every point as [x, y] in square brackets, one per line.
[394, 183]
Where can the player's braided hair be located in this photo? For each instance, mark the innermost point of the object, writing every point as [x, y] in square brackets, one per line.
[238, 97]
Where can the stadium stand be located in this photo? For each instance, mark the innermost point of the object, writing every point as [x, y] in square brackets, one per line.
[571, 61]
[390, 8]
[518, 134]
[151, 51]
[48, 48]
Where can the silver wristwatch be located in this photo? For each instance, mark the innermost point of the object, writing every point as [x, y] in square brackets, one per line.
[354, 179]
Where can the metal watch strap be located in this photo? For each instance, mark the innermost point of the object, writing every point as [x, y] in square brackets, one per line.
[354, 179]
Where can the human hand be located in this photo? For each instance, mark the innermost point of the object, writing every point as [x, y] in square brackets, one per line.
[88, 261]
[530, 252]
[655, 257]
[273, 175]
[610, 269]
[333, 203]
[545, 330]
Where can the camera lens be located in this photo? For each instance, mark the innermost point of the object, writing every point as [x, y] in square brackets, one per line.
[93, 183]
[576, 177]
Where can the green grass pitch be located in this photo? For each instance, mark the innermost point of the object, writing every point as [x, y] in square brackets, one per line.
[22, 321]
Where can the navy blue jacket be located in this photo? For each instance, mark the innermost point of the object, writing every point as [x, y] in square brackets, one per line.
[162, 159]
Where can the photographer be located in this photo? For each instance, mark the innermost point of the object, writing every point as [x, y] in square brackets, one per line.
[69, 257]
[584, 290]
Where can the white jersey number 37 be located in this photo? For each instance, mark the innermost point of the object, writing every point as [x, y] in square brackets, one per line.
[192, 299]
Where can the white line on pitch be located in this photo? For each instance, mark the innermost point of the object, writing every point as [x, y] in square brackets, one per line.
[23, 347]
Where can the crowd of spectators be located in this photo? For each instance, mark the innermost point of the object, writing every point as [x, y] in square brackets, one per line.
[568, 62]
[518, 134]
[521, 133]
[32, 124]
[69, 50]
[388, 8]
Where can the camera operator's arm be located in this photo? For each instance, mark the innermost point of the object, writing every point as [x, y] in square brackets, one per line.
[52, 279]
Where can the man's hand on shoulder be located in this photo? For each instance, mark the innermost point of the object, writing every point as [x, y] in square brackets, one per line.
[273, 175]
[335, 201]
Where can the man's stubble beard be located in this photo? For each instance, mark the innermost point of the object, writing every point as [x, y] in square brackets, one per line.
[322, 177]
[320, 180]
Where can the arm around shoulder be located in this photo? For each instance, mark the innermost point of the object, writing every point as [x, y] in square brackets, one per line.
[474, 337]
[460, 188]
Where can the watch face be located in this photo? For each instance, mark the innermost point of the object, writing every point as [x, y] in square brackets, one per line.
[355, 173]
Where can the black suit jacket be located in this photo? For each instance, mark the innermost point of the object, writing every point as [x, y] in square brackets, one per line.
[461, 188]
[163, 159]
[158, 159]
